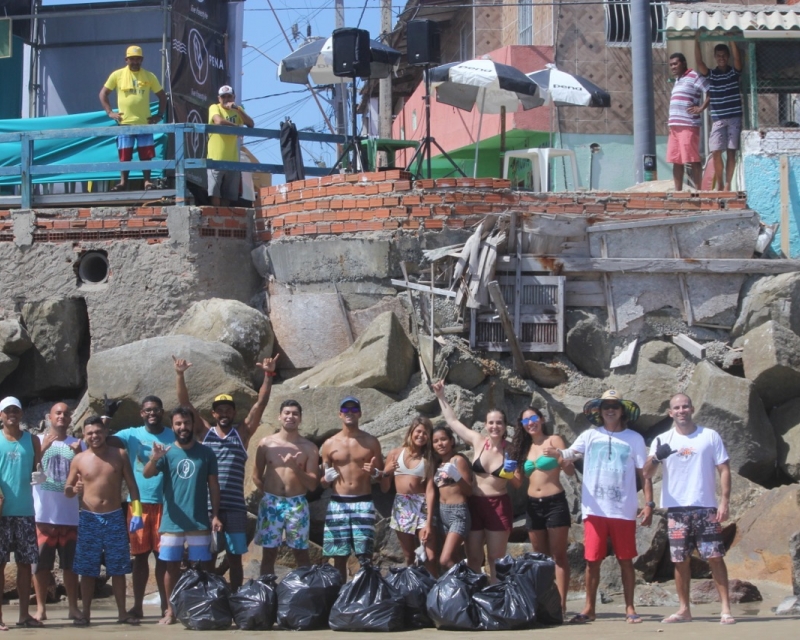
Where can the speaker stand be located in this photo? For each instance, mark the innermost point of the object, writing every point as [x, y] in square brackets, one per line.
[423, 151]
[353, 143]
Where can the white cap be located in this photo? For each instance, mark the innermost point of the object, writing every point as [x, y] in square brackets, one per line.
[225, 89]
[10, 401]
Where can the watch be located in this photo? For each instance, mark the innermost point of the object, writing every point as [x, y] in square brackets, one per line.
[650, 504]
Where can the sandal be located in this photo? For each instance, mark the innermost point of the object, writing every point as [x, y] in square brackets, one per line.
[30, 623]
[727, 618]
[580, 618]
[80, 622]
[119, 187]
[675, 618]
[131, 620]
[633, 618]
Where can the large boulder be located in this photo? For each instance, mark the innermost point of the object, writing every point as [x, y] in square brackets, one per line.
[775, 298]
[231, 322]
[142, 368]
[760, 548]
[731, 406]
[382, 358]
[651, 543]
[771, 358]
[7, 365]
[14, 338]
[588, 345]
[786, 420]
[56, 363]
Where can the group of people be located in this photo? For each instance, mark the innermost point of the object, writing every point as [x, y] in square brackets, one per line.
[134, 85]
[64, 496]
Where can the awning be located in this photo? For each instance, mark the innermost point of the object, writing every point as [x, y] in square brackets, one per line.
[727, 17]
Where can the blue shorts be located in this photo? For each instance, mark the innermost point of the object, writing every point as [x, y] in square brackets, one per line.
[145, 145]
[170, 548]
[279, 514]
[234, 525]
[102, 539]
[349, 526]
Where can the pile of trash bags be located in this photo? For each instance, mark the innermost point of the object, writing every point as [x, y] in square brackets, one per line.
[200, 601]
[254, 606]
[413, 584]
[306, 597]
[368, 603]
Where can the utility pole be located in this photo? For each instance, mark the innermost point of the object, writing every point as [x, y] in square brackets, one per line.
[644, 120]
[385, 86]
[338, 87]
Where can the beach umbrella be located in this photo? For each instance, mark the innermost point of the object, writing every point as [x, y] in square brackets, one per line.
[564, 89]
[314, 61]
[489, 85]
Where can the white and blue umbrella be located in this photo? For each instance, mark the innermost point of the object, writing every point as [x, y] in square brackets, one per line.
[563, 89]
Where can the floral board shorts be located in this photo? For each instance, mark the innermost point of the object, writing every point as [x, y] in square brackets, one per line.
[409, 512]
[692, 528]
[278, 515]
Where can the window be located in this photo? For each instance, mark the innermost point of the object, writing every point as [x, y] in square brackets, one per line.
[525, 22]
[465, 42]
[618, 23]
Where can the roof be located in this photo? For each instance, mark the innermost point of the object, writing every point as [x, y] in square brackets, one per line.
[729, 17]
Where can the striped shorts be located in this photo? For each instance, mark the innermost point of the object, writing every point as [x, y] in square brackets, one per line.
[349, 526]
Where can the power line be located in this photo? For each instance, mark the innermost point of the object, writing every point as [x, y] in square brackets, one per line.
[274, 95]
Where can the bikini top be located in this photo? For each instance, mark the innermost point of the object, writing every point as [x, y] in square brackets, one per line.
[477, 467]
[542, 463]
[402, 470]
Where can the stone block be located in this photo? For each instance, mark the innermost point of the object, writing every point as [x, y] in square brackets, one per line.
[775, 298]
[786, 420]
[771, 359]
[330, 259]
[588, 346]
[14, 338]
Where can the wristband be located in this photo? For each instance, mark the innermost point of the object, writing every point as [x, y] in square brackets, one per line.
[136, 508]
[271, 374]
[377, 473]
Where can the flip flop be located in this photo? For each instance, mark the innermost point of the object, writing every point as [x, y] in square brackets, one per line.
[580, 618]
[80, 622]
[3, 627]
[149, 185]
[633, 618]
[119, 187]
[727, 618]
[131, 620]
[30, 623]
[674, 619]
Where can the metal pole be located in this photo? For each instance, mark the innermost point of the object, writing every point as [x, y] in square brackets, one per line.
[385, 86]
[338, 88]
[644, 125]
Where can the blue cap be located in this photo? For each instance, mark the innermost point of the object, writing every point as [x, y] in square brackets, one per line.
[349, 399]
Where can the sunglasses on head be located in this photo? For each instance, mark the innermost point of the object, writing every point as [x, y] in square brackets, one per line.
[532, 420]
[350, 409]
[610, 405]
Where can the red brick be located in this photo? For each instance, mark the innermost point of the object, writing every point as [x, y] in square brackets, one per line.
[94, 224]
[278, 222]
[316, 217]
[337, 204]
[310, 205]
[343, 215]
[411, 224]
[296, 231]
[267, 200]
[370, 190]
[309, 229]
[391, 202]
[446, 183]
[419, 212]
[48, 224]
[111, 224]
[376, 202]
[337, 227]
[385, 187]
[434, 224]
[304, 218]
[296, 207]
[235, 224]
[402, 185]
[215, 223]
[324, 228]
[61, 224]
[134, 222]
[290, 219]
[398, 212]
[501, 183]
[391, 224]
[264, 236]
[82, 213]
[293, 196]
[381, 213]
[735, 204]
[350, 203]
[277, 234]
[465, 182]
[350, 227]
[329, 216]
[412, 200]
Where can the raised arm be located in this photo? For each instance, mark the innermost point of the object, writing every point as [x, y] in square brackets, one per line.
[201, 427]
[158, 451]
[698, 56]
[253, 419]
[737, 57]
[469, 436]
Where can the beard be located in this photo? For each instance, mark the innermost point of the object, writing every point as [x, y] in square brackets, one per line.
[184, 438]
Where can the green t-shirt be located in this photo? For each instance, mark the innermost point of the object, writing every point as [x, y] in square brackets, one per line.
[186, 473]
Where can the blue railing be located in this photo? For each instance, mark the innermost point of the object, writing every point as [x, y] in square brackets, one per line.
[27, 170]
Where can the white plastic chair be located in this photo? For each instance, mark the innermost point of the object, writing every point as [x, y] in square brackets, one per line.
[540, 164]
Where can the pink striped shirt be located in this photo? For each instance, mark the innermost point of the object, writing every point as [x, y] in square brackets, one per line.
[687, 92]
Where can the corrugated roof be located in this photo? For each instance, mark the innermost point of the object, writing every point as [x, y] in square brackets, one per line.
[727, 17]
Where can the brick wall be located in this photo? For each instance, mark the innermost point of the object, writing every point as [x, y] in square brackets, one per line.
[391, 201]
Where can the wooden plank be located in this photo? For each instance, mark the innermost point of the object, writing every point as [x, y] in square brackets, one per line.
[512, 235]
[518, 286]
[682, 280]
[612, 311]
[551, 225]
[347, 326]
[419, 287]
[690, 346]
[584, 299]
[414, 324]
[433, 255]
[505, 320]
[626, 356]
[668, 220]
[785, 205]
[658, 265]
[584, 286]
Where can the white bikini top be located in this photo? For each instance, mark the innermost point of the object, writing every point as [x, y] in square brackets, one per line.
[402, 470]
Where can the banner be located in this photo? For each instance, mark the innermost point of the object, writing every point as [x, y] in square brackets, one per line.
[198, 61]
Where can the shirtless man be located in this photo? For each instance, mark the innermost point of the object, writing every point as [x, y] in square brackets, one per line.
[287, 466]
[352, 460]
[96, 476]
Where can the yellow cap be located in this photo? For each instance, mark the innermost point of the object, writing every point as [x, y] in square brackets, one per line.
[223, 398]
[133, 52]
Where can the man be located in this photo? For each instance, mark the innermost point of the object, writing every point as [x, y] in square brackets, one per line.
[223, 184]
[352, 460]
[614, 456]
[229, 442]
[190, 481]
[286, 468]
[56, 515]
[689, 456]
[19, 456]
[96, 476]
[685, 107]
[133, 86]
[138, 442]
[726, 108]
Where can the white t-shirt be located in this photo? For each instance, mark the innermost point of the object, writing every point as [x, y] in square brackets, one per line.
[50, 505]
[610, 460]
[690, 475]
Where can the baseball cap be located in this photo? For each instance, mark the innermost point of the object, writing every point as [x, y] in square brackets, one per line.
[223, 398]
[10, 401]
[134, 52]
[225, 89]
[349, 399]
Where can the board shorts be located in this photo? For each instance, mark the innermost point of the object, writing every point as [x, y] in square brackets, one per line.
[455, 518]
[280, 514]
[56, 538]
[147, 538]
[691, 528]
[102, 539]
[233, 538]
[597, 530]
[198, 542]
[349, 526]
[409, 512]
[223, 183]
[683, 145]
[725, 134]
[145, 145]
[547, 512]
[491, 513]
[18, 534]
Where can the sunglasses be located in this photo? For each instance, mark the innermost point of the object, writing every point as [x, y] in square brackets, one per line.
[350, 409]
[532, 420]
[610, 405]
[156, 410]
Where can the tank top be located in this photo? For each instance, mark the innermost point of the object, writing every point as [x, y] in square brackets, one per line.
[16, 466]
[231, 457]
[419, 471]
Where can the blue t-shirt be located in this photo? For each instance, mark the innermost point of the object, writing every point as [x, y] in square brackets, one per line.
[16, 465]
[185, 473]
[138, 443]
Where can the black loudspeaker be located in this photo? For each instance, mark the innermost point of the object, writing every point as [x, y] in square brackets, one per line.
[351, 57]
[423, 42]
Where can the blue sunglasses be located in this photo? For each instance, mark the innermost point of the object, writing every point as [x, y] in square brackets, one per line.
[532, 420]
[350, 409]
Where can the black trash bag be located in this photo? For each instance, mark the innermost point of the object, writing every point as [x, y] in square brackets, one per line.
[414, 584]
[536, 572]
[505, 606]
[306, 595]
[254, 606]
[200, 601]
[368, 603]
[450, 604]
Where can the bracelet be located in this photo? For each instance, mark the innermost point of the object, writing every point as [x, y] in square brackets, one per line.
[271, 374]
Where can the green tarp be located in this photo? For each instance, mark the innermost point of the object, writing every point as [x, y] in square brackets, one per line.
[69, 150]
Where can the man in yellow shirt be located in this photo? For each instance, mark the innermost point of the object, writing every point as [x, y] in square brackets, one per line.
[223, 185]
[133, 86]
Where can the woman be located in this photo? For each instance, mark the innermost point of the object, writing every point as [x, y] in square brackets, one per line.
[413, 508]
[490, 505]
[548, 518]
[453, 479]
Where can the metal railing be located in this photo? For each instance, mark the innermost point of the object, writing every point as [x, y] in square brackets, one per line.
[28, 170]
